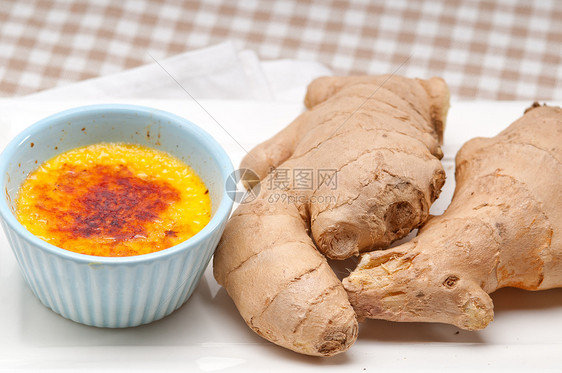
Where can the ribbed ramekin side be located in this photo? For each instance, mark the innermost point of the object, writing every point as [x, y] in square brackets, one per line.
[188, 270]
[202, 263]
[29, 263]
[109, 294]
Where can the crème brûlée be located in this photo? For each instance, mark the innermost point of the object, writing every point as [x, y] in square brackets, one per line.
[114, 199]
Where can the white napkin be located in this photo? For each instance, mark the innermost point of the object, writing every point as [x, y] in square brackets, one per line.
[216, 72]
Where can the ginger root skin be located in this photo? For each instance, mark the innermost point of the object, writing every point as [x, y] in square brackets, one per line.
[502, 228]
[381, 136]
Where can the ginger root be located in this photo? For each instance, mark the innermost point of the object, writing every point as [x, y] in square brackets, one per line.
[502, 228]
[376, 141]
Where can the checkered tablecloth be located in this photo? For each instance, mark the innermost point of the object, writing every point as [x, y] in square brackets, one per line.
[498, 50]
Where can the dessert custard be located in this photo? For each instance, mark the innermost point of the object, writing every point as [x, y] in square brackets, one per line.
[114, 199]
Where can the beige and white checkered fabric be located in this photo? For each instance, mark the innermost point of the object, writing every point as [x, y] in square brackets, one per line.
[502, 49]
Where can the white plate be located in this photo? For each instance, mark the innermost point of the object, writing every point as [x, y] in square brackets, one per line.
[207, 334]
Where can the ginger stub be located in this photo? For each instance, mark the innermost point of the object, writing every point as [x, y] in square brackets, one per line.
[380, 136]
[502, 228]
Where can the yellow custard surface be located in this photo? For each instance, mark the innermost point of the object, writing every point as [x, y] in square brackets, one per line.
[114, 199]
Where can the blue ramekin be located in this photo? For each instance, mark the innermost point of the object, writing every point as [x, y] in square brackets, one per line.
[114, 291]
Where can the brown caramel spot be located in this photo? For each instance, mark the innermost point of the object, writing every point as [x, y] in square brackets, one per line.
[111, 202]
